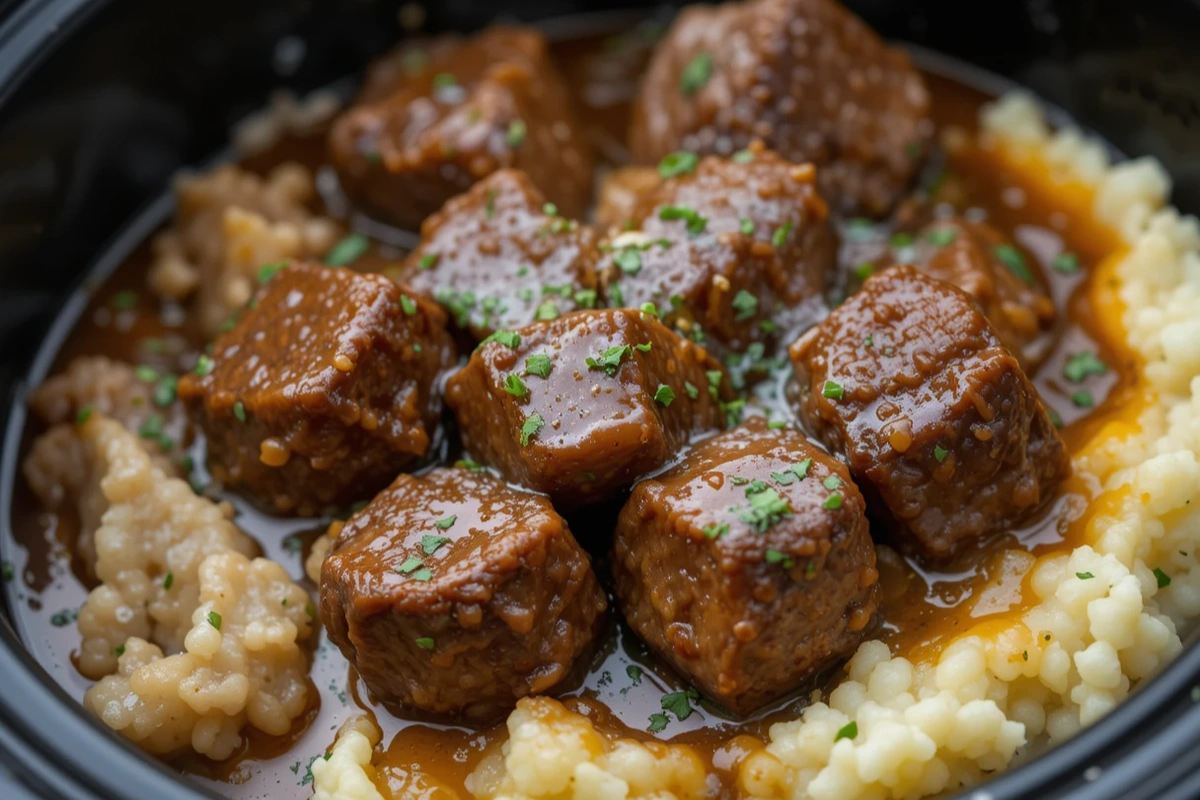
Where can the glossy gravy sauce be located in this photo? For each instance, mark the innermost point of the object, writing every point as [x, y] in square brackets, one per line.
[923, 609]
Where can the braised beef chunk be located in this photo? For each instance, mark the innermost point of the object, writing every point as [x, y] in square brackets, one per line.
[748, 565]
[977, 258]
[732, 249]
[582, 406]
[499, 256]
[454, 593]
[323, 390]
[946, 436]
[619, 193]
[433, 123]
[806, 76]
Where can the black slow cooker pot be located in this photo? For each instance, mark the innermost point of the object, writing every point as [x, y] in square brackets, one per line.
[101, 101]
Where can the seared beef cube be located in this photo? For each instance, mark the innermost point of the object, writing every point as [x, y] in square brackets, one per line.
[911, 385]
[806, 76]
[323, 390]
[748, 565]
[977, 258]
[739, 247]
[584, 405]
[463, 111]
[454, 593]
[620, 191]
[499, 257]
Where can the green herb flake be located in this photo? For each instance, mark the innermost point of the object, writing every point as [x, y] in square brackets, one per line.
[546, 311]
[658, 722]
[424, 642]
[940, 453]
[61, 619]
[664, 395]
[778, 557]
[1013, 261]
[445, 523]
[515, 386]
[165, 391]
[239, 411]
[629, 260]
[864, 270]
[779, 237]
[746, 226]
[1083, 399]
[585, 298]
[776, 424]
[1083, 364]
[691, 389]
[678, 163]
[696, 223]
[610, 359]
[214, 619]
[1164, 580]
[679, 703]
[83, 415]
[650, 308]
[533, 424]
[644, 347]
[696, 74]
[715, 531]
[145, 374]
[268, 271]
[8, 571]
[1084, 576]
[348, 250]
[410, 565]
[538, 364]
[765, 509]
[125, 301]
[833, 502]
[168, 581]
[742, 157]
[832, 482]
[444, 80]
[516, 133]
[940, 237]
[1065, 264]
[427, 262]
[635, 673]
[833, 391]
[847, 731]
[152, 426]
[510, 339]
[901, 239]
[745, 305]
[408, 305]
[119, 650]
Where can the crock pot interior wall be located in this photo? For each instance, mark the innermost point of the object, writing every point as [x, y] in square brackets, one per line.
[103, 101]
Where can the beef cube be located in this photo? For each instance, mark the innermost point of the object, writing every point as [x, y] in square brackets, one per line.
[323, 390]
[620, 191]
[735, 248]
[806, 76]
[499, 256]
[460, 111]
[582, 406]
[977, 258]
[454, 593]
[910, 384]
[748, 565]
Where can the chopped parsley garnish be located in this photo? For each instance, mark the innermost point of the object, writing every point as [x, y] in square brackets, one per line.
[664, 395]
[125, 301]
[650, 308]
[538, 364]
[678, 163]
[1164, 580]
[515, 386]
[738, 480]
[1080, 365]
[1084, 576]
[214, 619]
[1083, 399]
[859, 229]
[444, 80]
[585, 298]
[634, 672]
[715, 531]
[779, 237]
[864, 270]
[742, 157]
[778, 557]
[489, 207]
[61, 619]
[745, 305]
[83, 415]
[431, 542]
[679, 703]
[833, 502]
[168, 580]
[516, 133]
[119, 650]
[1065, 263]
[696, 74]
[424, 642]
[408, 305]
[658, 722]
[644, 347]
[469, 463]
[268, 271]
[714, 381]
[940, 453]
[204, 365]
[164, 391]
[410, 565]
[145, 374]
[941, 236]
[546, 311]
[776, 424]
[746, 226]
[7, 571]
[533, 424]
[610, 359]
[733, 411]
[833, 391]
[629, 260]
[427, 262]
[239, 411]
[696, 223]
[691, 390]
[1013, 261]
[832, 482]
[347, 250]
[152, 426]
[765, 509]
[847, 731]
[445, 523]
[901, 239]
[793, 473]
[507, 338]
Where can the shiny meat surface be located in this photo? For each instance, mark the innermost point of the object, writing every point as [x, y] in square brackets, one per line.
[434, 121]
[584, 405]
[976, 258]
[748, 565]
[806, 76]
[495, 258]
[455, 593]
[730, 249]
[619, 193]
[322, 390]
[947, 438]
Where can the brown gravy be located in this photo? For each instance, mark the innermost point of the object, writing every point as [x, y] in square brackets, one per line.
[623, 684]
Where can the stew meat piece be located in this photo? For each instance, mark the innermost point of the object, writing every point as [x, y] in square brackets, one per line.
[749, 565]
[499, 256]
[436, 120]
[978, 259]
[323, 389]
[454, 593]
[582, 406]
[620, 191]
[733, 249]
[788, 72]
[946, 436]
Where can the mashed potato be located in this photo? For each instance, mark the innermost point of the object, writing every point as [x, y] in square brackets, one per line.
[228, 224]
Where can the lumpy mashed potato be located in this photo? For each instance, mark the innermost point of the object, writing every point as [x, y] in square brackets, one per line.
[191, 638]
